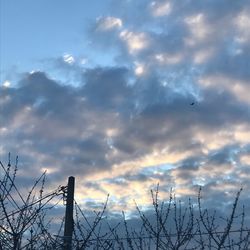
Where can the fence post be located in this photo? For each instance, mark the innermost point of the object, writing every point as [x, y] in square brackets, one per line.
[69, 221]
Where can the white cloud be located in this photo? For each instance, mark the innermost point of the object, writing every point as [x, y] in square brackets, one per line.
[165, 58]
[237, 87]
[139, 68]
[242, 22]
[108, 23]
[3, 130]
[6, 84]
[135, 41]
[242, 133]
[201, 56]
[67, 58]
[83, 61]
[199, 29]
[160, 9]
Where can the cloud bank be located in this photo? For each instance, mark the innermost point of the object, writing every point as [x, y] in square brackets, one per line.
[128, 125]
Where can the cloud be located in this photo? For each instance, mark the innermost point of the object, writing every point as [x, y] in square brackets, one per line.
[108, 23]
[68, 59]
[6, 84]
[98, 127]
[135, 41]
[160, 8]
[107, 88]
[130, 124]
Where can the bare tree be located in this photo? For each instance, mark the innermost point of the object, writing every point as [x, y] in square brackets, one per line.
[26, 222]
[218, 230]
[22, 218]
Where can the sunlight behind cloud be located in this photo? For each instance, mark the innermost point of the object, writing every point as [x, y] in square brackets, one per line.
[245, 159]
[213, 141]
[242, 133]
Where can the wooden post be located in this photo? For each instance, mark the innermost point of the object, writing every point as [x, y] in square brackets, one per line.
[69, 221]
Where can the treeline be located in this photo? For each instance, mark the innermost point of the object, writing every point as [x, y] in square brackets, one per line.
[30, 222]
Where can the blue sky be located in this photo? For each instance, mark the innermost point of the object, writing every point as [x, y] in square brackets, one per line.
[102, 90]
[33, 31]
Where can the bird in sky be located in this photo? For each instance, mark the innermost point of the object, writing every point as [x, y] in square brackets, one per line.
[192, 104]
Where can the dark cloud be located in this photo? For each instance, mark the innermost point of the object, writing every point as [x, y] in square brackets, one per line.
[107, 88]
[232, 65]
[71, 124]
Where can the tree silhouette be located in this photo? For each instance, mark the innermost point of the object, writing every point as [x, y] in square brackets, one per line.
[25, 222]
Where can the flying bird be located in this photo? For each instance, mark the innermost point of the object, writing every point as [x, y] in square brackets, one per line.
[192, 104]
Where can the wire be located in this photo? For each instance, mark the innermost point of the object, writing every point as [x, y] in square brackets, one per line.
[55, 193]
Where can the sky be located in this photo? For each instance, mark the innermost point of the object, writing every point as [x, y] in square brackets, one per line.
[102, 90]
